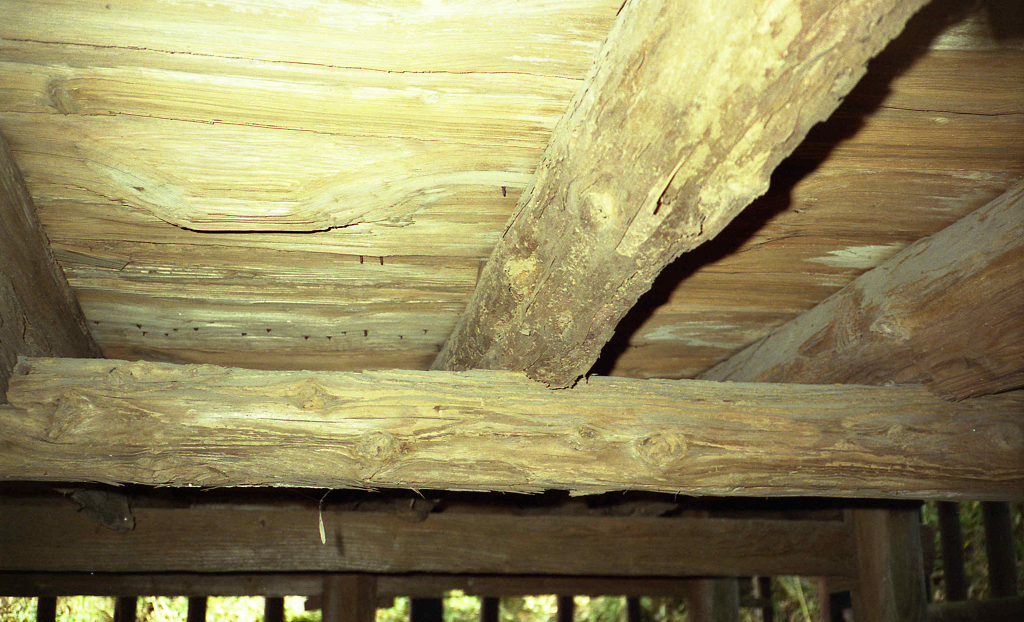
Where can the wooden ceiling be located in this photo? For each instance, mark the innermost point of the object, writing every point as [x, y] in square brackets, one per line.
[306, 186]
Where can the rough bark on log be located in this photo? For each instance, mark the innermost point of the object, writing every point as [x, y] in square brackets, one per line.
[188, 425]
[39, 316]
[947, 311]
[690, 106]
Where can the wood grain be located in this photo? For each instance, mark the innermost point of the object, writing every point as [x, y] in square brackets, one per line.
[39, 315]
[889, 564]
[946, 311]
[54, 537]
[937, 116]
[162, 424]
[625, 187]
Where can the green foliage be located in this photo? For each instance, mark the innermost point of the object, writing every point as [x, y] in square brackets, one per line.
[17, 609]
[975, 560]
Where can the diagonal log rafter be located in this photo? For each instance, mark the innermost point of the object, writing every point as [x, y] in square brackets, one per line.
[690, 106]
[947, 311]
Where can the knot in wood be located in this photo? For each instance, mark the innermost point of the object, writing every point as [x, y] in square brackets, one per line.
[660, 449]
[379, 446]
[72, 407]
[1007, 437]
[61, 97]
[597, 210]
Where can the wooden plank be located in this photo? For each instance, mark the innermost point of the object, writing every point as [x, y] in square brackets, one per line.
[39, 315]
[998, 610]
[113, 421]
[713, 600]
[425, 609]
[276, 585]
[892, 582]
[196, 609]
[566, 610]
[46, 609]
[952, 540]
[945, 311]
[999, 549]
[349, 598]
[56, 538]
[126, 608]
[615, 198]
[273, 609]
[490, 608]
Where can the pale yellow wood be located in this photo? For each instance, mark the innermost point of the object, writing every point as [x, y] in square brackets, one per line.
[937, 117]
[115, 421]
[946, 311]
[689, 108]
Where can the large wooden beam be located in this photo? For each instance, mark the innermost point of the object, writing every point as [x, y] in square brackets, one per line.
[55, 537]
[690, 106]
[39, 316]
[190, 425]
[947, 311]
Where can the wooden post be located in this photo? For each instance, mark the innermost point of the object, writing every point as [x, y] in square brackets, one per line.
[349, 598]
[763, 591]
[634, 612]
[273, 609]
[1002, 565]
[891, 582]
[713, 600]
[39, 315]
[125, 609]
[426, 610]
[490, 607]
[46, 609]
[197, 609]
[566, 608]
[952, 550]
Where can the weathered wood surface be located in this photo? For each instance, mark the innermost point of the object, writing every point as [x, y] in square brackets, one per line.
[308, 584]
[997, 610]
[690, 107]
[349, 598]
[938, 117]
[947, 311]
[39, 315]
[162, 424]
[385, 127]
[57, 538]
[891, 585]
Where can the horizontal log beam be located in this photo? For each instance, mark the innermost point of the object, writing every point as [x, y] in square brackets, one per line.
[39, 315]
[947, 311]
[690, 106]
[191, 425]
[55, 537]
